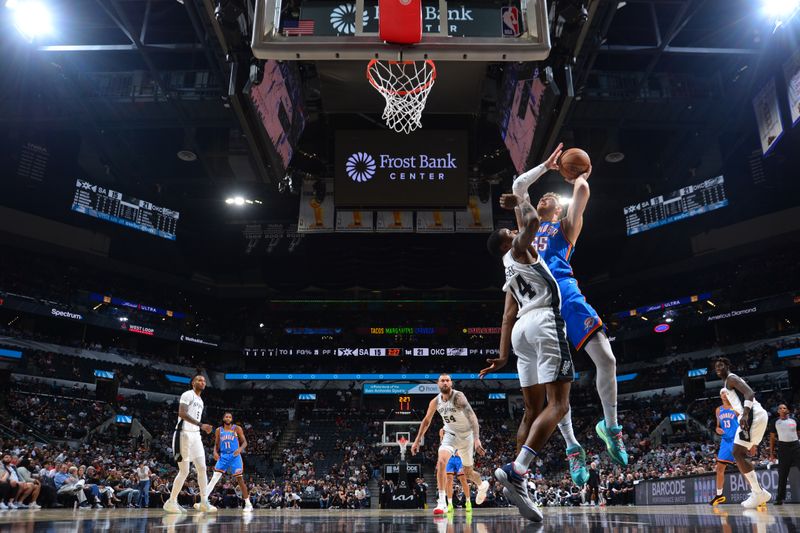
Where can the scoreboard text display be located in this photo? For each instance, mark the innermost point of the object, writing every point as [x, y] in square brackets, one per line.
[683, 203]
[381, 169]
[113, 206]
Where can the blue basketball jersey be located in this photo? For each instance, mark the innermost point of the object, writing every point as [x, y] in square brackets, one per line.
[554, 248]
[228, 440]
[729, 422]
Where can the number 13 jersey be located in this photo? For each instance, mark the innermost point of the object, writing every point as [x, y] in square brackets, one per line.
[533, 286]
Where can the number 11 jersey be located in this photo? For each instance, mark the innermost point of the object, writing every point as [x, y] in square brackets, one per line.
[533, 286]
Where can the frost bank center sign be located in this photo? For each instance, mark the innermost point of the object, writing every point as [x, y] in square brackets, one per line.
[383, 169]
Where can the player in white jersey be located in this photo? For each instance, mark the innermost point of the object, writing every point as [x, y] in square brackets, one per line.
[752, 426]
[539, 339]
[187, 446]
[461, 432]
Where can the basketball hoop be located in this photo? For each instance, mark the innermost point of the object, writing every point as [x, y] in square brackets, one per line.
[405, 86]
[403, 444]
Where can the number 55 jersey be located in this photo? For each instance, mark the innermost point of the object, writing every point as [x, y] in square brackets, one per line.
[539, 337]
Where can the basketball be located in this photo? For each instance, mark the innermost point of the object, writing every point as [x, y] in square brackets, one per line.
[573, 163]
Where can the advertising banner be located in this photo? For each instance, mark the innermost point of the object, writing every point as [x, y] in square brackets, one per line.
[426, 168]
[700, 489]
[401, 388]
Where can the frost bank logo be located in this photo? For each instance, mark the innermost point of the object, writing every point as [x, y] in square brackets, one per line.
[360, 167]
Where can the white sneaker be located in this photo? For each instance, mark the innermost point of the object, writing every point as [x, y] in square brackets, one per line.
[196, 506]
[441, 508]
[482, 490]
[35, 506]
[3, 506]
[756, 499]
[12, 505]
[248, 506]
[173, 507]
[206, 507]
[98, 506]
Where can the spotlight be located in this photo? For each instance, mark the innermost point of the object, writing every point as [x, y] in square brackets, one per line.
[31, 18]
[238, 200]
[566, 201]
[229, 201]
[780, 9]
[261, 325]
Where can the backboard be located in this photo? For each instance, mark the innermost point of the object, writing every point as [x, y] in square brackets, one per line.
[453, 30]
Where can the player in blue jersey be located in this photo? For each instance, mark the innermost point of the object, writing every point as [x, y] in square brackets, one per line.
[455, 469]
[727, 426]
[555, 243]
[229, 443]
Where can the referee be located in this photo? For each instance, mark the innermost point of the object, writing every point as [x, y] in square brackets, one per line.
[788, 448]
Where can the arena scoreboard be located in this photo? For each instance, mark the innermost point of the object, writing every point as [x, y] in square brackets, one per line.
[684, 203]
[113, 206]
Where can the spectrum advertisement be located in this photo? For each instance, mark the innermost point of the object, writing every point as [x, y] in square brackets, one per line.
[381, 169]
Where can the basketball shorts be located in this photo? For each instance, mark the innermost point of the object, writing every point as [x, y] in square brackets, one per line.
[581, 318]
[191, 446]
[757, 429]
[230, 464]
[725, 454]
[455, 466]
[465, 444]
[539, 340]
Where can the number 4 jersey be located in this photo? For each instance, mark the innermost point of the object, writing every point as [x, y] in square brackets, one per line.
[533, 286]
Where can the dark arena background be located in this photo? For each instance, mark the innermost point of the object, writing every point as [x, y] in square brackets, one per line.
[205, 208]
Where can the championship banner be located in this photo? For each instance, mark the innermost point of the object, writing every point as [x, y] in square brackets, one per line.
[394, 221]
[315, 216]
[791, 73]
[477, 218]
[768, 116]
[354, 221]
[700, 489]
[435, 222]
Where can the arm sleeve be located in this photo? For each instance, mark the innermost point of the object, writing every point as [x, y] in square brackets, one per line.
[525, 180]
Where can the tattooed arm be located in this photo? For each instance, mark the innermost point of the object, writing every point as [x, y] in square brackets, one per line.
[460, 401]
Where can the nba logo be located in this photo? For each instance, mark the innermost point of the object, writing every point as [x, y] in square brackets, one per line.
[510, 18]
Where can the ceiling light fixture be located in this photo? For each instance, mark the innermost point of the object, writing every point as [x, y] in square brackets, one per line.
[32, 19]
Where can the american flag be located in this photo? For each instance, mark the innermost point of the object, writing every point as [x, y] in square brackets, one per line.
[298, 27]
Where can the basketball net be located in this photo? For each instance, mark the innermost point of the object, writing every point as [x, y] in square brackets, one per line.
[403, 444]
[405, 86]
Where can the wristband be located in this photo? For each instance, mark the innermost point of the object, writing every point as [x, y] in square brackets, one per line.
[748, 404]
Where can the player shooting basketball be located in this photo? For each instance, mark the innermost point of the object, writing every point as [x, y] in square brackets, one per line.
[555, 243]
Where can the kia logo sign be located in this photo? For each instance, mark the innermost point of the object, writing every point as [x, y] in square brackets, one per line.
[403, 497]
[360, 167]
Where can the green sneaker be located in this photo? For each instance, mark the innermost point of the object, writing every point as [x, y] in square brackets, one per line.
[468, 506]
[614, 444]
[450, 508]
[576, 456]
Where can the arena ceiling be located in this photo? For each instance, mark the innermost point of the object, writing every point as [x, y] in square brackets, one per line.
[123, 85]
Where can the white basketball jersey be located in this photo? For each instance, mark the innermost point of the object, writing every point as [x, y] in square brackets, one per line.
[454, 418]
[736, 402]
[194, 409]
[533, 286]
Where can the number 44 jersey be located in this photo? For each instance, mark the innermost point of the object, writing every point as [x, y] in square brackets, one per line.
[533, 286]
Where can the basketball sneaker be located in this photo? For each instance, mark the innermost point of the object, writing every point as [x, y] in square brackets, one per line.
[756, 499]
[518, 492]
[205, 507]
[248, 506]
[483, 488]
[576, 456]
[450, 508]
[614, 444]
[440, 509]
[718, 500]
[468, 506]
[173, 507]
